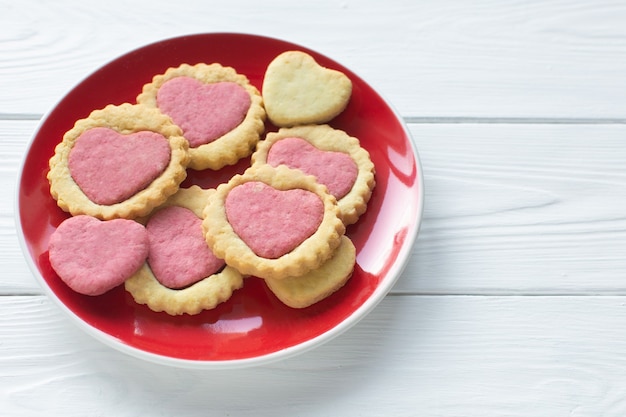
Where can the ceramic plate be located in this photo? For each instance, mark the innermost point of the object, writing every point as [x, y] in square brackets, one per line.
[253, 327]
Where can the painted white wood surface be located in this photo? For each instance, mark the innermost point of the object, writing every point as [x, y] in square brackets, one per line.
[513, 302]
[431, 58]
[516, 209]
[468, 356]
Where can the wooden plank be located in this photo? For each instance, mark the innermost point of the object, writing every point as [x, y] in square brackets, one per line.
[432, 355]
[510, 209]
[16, 277]
[521, 209]
[551, 59]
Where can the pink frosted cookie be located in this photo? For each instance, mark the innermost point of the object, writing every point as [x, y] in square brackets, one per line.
[220, 113]
[217, 107]
[336, 159]
[299, 212]
[179, 255]
[272, 222]
[93, 256]
[120, 162]
[181, 275]
[336, 170]
[131, 162]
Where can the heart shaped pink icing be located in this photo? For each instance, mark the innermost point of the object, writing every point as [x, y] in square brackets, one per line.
[204, 112]
[179, 255]
[336, 170]
[110, 167]
[273, 222]
[93, 256]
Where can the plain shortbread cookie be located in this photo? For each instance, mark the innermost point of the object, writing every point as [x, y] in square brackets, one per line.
[316, 285]
[297, 90]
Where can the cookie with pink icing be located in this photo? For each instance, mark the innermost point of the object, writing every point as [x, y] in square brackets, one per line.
[120, 162]
[273, 222]
[336, 159]
[93, 256]
[181, 274]
[179, 255]
[219, 111]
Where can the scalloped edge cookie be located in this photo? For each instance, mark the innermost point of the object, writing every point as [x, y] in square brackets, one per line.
[326, 138]
[234, 145]
[316, 285]
[125, 119]
[205, 294]
[310, 254]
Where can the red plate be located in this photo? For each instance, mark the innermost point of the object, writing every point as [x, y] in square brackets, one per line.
[253, 327]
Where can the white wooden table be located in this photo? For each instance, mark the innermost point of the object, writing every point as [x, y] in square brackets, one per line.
[514, 300]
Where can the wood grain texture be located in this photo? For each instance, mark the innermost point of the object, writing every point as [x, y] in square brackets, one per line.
[15, 276]
[521, 209]
[435, 356]
[551, 59]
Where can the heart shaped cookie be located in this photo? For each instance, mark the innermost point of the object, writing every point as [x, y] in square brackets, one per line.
[297, 90]
[273, 222]
[220, 112]
[336, 170]
[93, 256]
[205, 112]
[110, 167]
[178, 225]
[179, 255]
[120, 162]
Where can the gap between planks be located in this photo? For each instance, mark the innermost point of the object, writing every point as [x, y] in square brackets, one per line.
[436, 120]
[514, 120]
[491, 294]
